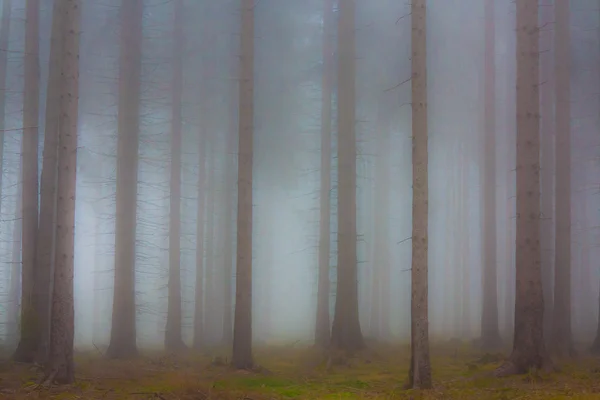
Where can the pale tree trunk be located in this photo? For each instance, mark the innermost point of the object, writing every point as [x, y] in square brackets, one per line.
[490, 332]
[562, 342]
[323, 321]
[123, 331]
[209, 268]
[529, 350]
[345, 332]
[547, 159]
[464, 238]
[173, 335]
[198, 340]
[242, 326]
[419, 375]
[45, 251]
[15, 270]
[60, 367]
[29, 325]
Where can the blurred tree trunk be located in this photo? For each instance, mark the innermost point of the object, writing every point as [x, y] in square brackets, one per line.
[15, 271]
[242, 327]
[464, 237]
[123, 331]
[323, 321]
[490, 332]
[173, 335]
[562, 342]
[60, 367]
[209, 269]
[26, 350]
[345, 332]
[198, 340]
[419, 375]
[528, 345]
[45, 251]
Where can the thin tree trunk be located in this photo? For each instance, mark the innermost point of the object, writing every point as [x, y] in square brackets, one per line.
[173, 335]
[123, 331]
[562, 342]
[198, 340]
[345, 332]
[60, 367]
[242, 327]
[490, 332]
[528, 345]
[209, 269]
[419, 375]
[323, 321]
[15, 271]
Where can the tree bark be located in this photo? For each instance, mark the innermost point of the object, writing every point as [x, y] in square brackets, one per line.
[419, 375]
[15, 271]
[528, 345]
[490, 332]
[27, 347]
[173, 336]
[595, 349]
[242, 326]
[60, 367]
[345, 332]
[198, 340]
[562, 342]
[123, 331]
[323, 321]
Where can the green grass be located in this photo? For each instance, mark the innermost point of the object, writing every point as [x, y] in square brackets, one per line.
[300, 373]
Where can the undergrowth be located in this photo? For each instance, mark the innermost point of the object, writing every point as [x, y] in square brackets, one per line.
[293, 372]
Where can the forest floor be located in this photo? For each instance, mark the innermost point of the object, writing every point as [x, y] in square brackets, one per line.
[295, 372]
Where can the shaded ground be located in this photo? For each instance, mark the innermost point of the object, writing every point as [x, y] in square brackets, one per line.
[300, 373]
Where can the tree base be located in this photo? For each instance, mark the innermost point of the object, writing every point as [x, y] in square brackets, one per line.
[175, 346]
[121, 351]
[595, 348]
[490, 342]
[24, 353]
[519, 365]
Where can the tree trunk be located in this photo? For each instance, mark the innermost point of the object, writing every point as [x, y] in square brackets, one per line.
[490, 332]
[323, 321]
[198, 340]
[242, 326]
[15, 271]
[595, 349]
[528, 345]
[173, 337]
[562, 342]
[60, 367]
[209, 270]
[345, 332]
[419, 375]
[123, 331]
[29, 325]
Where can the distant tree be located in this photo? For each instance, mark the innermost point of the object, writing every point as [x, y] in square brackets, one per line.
[27, 347]
[419, 375]
[198, 339]
[60, 367]
[529, 350]
[123, 330]
[242, 325]
[595, 349]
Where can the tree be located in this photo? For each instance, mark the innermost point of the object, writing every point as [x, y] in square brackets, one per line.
[323, 321]
[490, 332]
[595, 348]
[26, 349]
[529, 350]
[242, 324]
[199, 292]
[173, 339]
[345, 331]
[123, 330]
[562, 342]
[60, 367]
[419, 375]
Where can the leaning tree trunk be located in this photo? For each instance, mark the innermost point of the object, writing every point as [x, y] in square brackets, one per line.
[529, 350]
[490, 332]
[60, 367]
[323, 321]
[345, 332]
[26, 350]
[419, 375]
[562, 342]
[173, 335]
[242, 325]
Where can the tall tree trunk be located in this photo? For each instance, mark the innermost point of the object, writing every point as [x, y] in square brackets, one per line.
[529, 350]
[15, 270]
[123, 331]
[173, 336]
[323, 321]
[562, 339]
[210, 302]
[198, 340]
[595, 349]
[45, 251]
[490, 332]
[29, 325]
[60, 367]
[345, 332]
[419, 375]
[242, 326]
